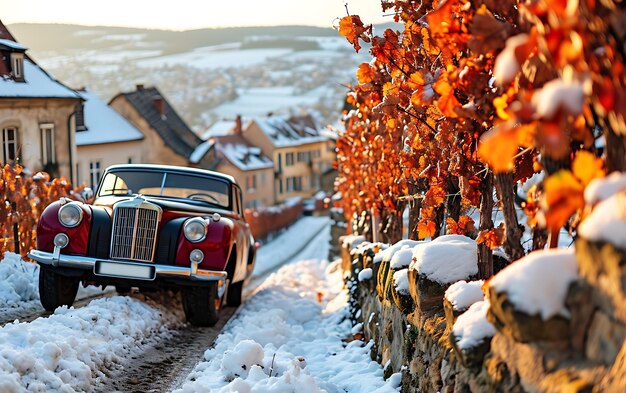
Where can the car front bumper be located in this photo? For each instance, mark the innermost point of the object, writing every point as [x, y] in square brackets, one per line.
[125, 269]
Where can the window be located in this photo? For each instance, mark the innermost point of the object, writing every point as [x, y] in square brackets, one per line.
[94, 174]
[288, 159]
[280, 186]
[253, 204]
[130, 160]
[251, 183]
[9, 144]
[280, 162]
[294, 183]
[17, 66]
[48, 155]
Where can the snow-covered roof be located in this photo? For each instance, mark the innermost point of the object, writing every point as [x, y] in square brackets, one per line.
[200, 151]
[104, 124]
[241, 154]
[219, 128]
[289, 132]
[12, 44]
[37, 84]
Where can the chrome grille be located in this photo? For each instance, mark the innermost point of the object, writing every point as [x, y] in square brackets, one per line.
[135, 225]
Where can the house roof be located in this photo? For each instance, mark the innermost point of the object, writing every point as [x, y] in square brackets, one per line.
[240, 153]
[293, 131]
[104, 124]
[170, 127]
[37, 82]
[221, 127]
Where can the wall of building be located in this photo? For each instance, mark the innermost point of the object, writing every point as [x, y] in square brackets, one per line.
[264, 191]
[153, 149]
[106, 154]
[27, 115]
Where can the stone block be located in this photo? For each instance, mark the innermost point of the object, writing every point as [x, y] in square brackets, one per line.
[404, 302]
[603, 266]
[473, 357]
[426, 294]
[605, 338]
[521, 326]
[615, 380]
[450, 313]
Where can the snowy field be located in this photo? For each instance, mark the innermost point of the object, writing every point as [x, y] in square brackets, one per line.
[292, 333]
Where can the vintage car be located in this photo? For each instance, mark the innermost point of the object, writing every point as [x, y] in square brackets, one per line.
[150, 226]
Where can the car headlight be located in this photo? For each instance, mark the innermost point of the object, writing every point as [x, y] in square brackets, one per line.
[195, 229]
[70, 215]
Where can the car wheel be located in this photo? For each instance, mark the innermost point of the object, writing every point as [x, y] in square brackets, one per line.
[233, 296]
[56, 290]
[201, 305]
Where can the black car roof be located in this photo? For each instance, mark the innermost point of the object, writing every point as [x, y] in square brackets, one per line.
[171, 168]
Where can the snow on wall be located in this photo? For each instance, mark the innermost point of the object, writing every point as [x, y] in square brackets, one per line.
[447, 259]
[402, 258]
[600, 189]
[607, 222]
[472, 327]
[387, 254]
[463, 294]
[538, 283]
[401, 281]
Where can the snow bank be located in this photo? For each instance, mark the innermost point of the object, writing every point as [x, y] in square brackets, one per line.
[285, 340]
[446, 259]
[607, 222]
[463, 294]
[66, 351]
[401, 281]
[472, 327]
[600, 189]
[18, 281]
[538, 283]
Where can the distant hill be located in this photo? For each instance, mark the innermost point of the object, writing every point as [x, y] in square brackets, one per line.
[62, 38]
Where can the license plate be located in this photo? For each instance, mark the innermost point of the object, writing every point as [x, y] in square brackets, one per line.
[124, 270]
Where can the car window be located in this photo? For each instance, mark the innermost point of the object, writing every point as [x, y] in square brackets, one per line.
[207, 189]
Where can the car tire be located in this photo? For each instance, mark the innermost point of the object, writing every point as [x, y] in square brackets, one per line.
[200, 306]
[233, 296]
[56, 290]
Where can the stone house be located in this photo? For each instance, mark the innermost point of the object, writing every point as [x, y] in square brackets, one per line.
[167, 138]
[39, 116]
[107, 140]
[300, 152]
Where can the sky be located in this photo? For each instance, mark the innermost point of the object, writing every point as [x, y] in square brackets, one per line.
[188, 14]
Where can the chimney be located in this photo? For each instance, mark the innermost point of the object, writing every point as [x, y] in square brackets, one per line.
[139, 87]
[159, 105]
[238, 128]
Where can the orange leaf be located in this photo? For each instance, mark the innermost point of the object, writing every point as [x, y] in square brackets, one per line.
[426, 229]
[365, 73]
[587, 167]
[563, 196]
[499, 145]
[492, 238]
[447, 102]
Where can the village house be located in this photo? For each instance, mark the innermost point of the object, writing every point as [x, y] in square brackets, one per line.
[39, 116]
[300, 152]
[107, 140]
[167, 138]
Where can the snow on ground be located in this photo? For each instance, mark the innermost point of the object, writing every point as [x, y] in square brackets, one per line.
[19, 282]
[288, 243]
[68, 350]
[538, 283]
[290, 336]
[211, 57]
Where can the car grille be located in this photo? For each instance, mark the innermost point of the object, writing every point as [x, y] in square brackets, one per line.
[134, 230]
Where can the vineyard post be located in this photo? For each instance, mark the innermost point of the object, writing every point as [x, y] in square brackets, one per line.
[16, 229]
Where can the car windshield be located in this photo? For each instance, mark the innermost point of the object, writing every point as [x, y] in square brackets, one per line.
[166, 184]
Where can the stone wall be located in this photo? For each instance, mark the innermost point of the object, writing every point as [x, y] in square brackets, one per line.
[412, 334]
